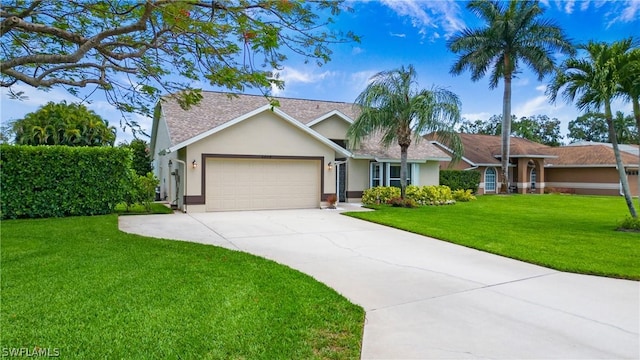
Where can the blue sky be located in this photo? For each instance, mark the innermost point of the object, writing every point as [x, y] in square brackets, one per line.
[396, 33]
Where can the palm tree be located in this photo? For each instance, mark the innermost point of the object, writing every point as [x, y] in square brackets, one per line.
[392, 107]
[630, 89]
[514, 34]
[593, 83]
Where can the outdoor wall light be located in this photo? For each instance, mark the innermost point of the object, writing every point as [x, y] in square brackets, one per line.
[330, 165]
[194, 164]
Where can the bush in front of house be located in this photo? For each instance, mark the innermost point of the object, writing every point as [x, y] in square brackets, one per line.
[142, 190]
[400, 202]
[461, 179]
[463, 195]
[380, 195]
[56, 181]
[418, 195]
[629, 224]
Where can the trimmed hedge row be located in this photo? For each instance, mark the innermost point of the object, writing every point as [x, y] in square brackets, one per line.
[461, 179]
[55, 181]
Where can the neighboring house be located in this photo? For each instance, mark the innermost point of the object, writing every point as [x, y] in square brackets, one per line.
[588, 169]
[237, 152]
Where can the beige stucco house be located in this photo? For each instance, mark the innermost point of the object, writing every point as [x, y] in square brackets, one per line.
[535, 168]
[237, 152]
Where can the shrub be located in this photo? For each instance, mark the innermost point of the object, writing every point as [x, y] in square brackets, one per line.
[55, 181]
[400, 202]
[419, 195]
[630, 224]
[379, 195]
[141, 191]
[461, 179]
[463, 195]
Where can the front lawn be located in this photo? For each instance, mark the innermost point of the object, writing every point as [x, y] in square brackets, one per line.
[81, 288]
[568, 233]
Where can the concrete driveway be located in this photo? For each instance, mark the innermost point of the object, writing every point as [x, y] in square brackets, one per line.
[428, 299]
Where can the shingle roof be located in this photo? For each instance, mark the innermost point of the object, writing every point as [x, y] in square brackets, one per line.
[588, 155]
[486, 149]
[218, 108]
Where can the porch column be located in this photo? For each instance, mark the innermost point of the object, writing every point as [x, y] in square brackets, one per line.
[523, 175]
[539, 176]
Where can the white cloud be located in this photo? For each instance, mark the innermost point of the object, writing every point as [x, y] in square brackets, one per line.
[292, 76]
[357, 50]
[631, 12]
[477, 116]
[568, 7]
[398, 35]
[429, 15]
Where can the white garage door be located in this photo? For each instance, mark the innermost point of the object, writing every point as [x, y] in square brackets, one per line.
[258, 184]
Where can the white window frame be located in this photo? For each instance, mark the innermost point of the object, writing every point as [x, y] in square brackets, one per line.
[533, 179]
[494, 182]
[388, 177]
[372, 181]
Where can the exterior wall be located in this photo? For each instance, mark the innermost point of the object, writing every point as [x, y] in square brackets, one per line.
[263, 135]
[590, 181]
[357, 179]
[333, 127]
[429, 173]
[160, 163]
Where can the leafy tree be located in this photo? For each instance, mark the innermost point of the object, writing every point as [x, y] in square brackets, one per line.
[493, 126]
[625, 127]
[538, 128]
[392, 107]
[141, 156]
[137, 50]
[588, 127]
[593, 82]
[514, 34]
[63, 124]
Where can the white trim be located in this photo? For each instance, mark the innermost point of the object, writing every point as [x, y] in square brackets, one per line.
[576, 185]
[451, 152]
[415, 174]
[255, 112]
[495, 179]
[551, 166]
[328, 115]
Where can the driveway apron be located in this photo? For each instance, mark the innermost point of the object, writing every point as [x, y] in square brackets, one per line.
[425, 298]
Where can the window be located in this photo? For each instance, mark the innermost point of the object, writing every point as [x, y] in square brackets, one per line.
[533, 179]
[388, 174]
[490, 179]
[376, 175]
[394, 175]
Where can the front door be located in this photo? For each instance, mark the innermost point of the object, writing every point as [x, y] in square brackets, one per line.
[341, 182]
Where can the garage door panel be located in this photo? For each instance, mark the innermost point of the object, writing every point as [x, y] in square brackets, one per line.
[253, 184]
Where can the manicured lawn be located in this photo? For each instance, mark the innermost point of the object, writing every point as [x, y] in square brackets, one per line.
[137, 209]
[81, 286]
[568, 233]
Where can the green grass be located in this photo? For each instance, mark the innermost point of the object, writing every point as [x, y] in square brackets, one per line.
[567, 233]
[81, 286]
[138, 209]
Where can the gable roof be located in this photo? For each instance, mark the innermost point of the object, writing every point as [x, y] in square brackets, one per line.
[219, 110]
[485, 150]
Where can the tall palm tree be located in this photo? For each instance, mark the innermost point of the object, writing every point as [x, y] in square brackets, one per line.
[593, 82]
[392, 106]
[514, 34]
[630, 89]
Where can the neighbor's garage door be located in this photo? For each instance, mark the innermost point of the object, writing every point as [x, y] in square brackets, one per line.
[257, 184]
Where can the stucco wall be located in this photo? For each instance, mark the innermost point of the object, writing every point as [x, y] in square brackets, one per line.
[264, 134]
[333, 127]
[593, 181]
[429, 173]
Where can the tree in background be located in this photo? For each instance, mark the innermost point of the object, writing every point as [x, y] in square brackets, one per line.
[138, 50]
[593, 82]
[590, 126]
[63, 124]
[514, 34]
[141, 156]
[538, 128]
[392, 107]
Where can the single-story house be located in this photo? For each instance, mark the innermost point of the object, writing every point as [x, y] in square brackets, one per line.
[237, 152]
[533, 167]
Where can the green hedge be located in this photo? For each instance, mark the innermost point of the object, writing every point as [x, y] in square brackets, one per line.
[460, 179]
[55, 181]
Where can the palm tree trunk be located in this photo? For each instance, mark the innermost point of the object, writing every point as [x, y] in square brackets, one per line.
[616, 152]
[506, 133]
[403, 170]
[636, 113]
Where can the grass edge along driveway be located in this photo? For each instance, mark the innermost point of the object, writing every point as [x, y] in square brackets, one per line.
[82, 288]
[564, 232]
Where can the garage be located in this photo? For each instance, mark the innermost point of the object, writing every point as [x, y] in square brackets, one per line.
[261, 184]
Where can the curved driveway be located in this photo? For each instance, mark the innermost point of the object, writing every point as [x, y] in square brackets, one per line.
[424, 298]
